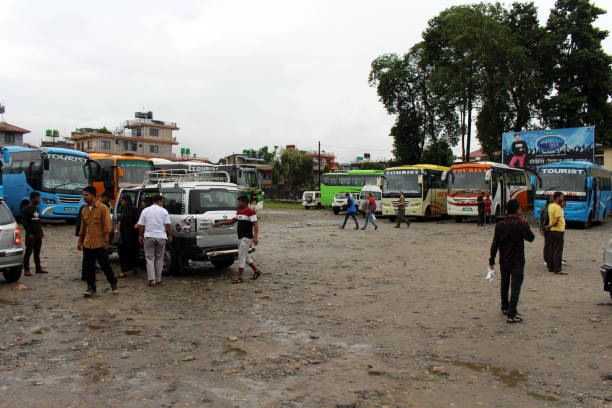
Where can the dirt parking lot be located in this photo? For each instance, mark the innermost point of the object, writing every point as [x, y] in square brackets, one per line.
[396, 318]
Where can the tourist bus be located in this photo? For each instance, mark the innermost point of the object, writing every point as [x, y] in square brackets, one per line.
[499, 182]
[163, 164]
[59, 175]
[422, 186]
[246, 177]
[350, 182]
[586, 187]
[113, 172]
[5, 159]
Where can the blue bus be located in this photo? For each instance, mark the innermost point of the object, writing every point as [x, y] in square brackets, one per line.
[59, 175]
[5, 159]
[586, 187]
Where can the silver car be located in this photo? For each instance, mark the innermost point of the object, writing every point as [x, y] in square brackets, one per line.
[11, 251]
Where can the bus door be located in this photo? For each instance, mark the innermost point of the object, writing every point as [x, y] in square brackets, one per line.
[595, 197]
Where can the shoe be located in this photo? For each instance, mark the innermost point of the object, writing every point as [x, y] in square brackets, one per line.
[545, 263]
[376, 229]
[42, 270]
[27, 273]
[114, 289]
[563, 262]
[397, 226]
[363, 229]
[89, 293]
[341, 227]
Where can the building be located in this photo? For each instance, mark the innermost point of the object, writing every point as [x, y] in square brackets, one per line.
[142, 136]
[11, 135]
[242, 158]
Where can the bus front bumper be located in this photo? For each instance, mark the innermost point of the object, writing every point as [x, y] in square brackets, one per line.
[60, 211]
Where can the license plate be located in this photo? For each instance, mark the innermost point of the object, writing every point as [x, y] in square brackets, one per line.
[69, 209]
[467, 209]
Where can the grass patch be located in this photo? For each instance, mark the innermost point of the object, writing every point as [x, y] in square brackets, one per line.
[281, 204]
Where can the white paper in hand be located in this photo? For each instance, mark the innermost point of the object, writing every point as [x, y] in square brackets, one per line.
[490, 273]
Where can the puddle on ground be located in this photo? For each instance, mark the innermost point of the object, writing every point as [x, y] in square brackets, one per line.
[510, 378]
[96, 373]
[95, 326]
[133, 332]
[9, 302]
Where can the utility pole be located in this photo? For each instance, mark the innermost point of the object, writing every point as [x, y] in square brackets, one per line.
[319, 165]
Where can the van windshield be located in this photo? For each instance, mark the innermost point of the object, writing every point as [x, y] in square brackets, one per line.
[201, 201]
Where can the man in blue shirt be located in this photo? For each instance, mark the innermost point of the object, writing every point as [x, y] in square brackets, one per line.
[350, 211]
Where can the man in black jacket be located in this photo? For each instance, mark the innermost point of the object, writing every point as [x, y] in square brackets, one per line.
[509, 239]
[30, 217]
[519, 152]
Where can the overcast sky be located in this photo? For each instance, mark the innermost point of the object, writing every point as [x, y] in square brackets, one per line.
[232, 74]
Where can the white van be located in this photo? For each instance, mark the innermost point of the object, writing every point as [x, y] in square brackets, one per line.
[311, 199]
[376, 195]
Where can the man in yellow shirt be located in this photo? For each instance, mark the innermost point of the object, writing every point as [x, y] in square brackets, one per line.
[557, 230]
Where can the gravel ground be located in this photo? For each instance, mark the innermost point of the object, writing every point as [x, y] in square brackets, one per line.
[396, 318]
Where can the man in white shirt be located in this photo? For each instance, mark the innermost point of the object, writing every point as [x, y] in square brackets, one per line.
[155, 230]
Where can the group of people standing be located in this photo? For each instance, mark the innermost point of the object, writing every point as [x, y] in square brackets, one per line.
[509, 238]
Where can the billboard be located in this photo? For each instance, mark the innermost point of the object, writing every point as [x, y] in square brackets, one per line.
[538, 147]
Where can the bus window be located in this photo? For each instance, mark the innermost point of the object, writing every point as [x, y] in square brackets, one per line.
[330, 180]
[357, 181]
[344, 180]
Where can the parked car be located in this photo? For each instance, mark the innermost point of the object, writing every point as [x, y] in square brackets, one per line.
[376, 195]
[606, 269]
[339, 203]
[11, 251]
[195, 202]
[311, 199]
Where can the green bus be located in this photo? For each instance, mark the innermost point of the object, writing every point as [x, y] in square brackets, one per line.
[351, 182]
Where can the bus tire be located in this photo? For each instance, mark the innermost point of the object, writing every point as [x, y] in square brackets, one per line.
[306, 207]
[458, 219]
[588, 222]
[12, 274]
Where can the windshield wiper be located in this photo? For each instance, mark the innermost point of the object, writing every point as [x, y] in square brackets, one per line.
[64, 184]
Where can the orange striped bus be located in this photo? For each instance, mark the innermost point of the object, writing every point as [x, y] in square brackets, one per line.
[115, 172]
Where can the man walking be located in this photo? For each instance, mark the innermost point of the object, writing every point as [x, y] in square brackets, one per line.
[509, 239]
[93, 241]
[350, 211]
[30, 217]
[401, 211]
[370, 208]
[556, 227]
[248, 232]
[155, 230]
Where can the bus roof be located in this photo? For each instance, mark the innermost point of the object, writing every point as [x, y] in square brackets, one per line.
[485, 165]
[570, 163]
[365, 172]
[59, 150]
[117, 157]
[419, 166]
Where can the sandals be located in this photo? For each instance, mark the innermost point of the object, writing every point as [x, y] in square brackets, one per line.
[256, 275]
[514, 319]
[123, 275]
[152, 283]
[237, 280]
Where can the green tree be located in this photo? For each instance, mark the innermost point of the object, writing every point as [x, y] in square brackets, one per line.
[294, 168]
[439, 153]
[368, 165]
[580, 69]
[264, 153]
[104, 130]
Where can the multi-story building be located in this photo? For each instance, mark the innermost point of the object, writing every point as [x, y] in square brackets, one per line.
[142, 136]
[11, 135]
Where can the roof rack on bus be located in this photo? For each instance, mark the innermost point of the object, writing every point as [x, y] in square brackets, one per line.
[179, 175]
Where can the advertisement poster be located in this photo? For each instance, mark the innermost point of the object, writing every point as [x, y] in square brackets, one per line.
[535, 148]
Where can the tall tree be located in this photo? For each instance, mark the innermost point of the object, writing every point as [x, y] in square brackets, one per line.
[438, 153]
[580, 69]
[294, 168]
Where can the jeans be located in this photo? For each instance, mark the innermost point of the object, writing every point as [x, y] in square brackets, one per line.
[511, 279]
[555, 254]
[154, 255]
[370, 218]
[347, 217]
[32, 245]
[101, 255]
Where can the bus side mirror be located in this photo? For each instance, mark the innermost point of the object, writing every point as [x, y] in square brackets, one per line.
[120, 172]
[532, 180]
[444, 175]
[91, 170]
[589, 183]
[379, 182]
[488, 175]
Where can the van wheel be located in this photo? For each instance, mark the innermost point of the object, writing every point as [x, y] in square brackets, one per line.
[171, 265]
[223, 263]
[12, 274]
[336, 211]
[319, 206]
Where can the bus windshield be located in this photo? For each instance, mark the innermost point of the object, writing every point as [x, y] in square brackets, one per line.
[571, 180]
[134, 171]
[249, 178]
[469, 179]
[406, 181]
[66, 173]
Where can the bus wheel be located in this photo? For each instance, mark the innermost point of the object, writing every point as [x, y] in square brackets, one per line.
[458, 219]
[319, 206]
[587, 223]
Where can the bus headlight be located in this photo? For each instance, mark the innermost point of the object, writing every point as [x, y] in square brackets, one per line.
[49, 201]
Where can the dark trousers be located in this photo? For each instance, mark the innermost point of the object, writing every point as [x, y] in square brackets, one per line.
[481, 216]
[100, 255]
[354, 219]
[33, 244]
[128, 255]
[547, 247]
[555, 255]
[511, 280]
[401, 216]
